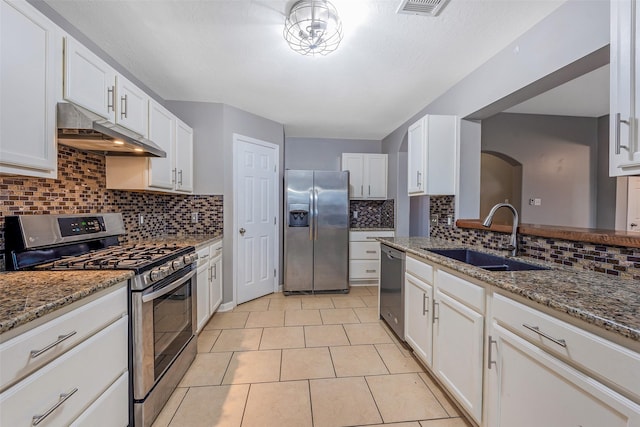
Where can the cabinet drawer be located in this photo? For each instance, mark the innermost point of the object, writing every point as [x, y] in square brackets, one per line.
[419, 269]
[203, 255]
[111, 409]
[368, 236]
[15, 355]
[462, 290]
[602, 358]
[364, 269]
[216, 250]
[91, 367]
[364, 250]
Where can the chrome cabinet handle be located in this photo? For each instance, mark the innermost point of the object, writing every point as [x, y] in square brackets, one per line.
[242, 231]
[111, 101]
[617, 133]
[373, 252]
[36, 353]
[215, 271]
[425, 303]
[371, 237]
[209, 276]
[489, 361]
[369, 190]
[180, 177]
[174, 175]
[123, 107]
[37, 419]
[537, 330]
[418, 183]
[371, 271]
[435, 304]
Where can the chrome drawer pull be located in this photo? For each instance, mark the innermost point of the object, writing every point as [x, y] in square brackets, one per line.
[425, 303]
[36, 353]
[436, 304]
[371, 271]
[537, 330]
[371, 237]
[37, 419]
[371, 252]
[489, 356]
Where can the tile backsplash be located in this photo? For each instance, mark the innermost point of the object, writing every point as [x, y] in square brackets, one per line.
[371, 213]
[81, 188]
[614, 260]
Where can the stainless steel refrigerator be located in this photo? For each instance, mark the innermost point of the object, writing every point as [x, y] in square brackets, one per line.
[316, 235]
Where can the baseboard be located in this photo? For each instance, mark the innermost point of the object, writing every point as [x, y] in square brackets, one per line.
[227, 306]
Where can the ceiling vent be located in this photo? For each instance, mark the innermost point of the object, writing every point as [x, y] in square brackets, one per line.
[422, 7]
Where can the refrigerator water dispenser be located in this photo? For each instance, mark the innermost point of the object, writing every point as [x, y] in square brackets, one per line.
[298, 215]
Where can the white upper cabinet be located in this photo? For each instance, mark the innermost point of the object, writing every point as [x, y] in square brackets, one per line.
[171, 173]
[27, 91]
[432, 146]
[161, 130]
[624, 151]
[367, 175]
[91, 83]
[132, 108]
[184, 157]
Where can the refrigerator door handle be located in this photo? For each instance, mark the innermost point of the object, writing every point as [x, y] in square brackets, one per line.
[315, 214]
[311, 214]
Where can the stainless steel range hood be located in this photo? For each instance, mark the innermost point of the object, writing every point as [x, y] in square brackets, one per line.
[82, 129]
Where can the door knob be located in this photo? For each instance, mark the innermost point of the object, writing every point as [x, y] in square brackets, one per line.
[242, 231]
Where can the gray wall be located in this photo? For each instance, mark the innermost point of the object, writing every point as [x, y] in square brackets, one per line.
[324, 154]
[549, 54]
[559, 164]
[606, 190]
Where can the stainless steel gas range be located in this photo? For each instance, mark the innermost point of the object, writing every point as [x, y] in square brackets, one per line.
[162, 293]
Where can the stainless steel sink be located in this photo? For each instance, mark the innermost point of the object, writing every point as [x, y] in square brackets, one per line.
[486, 261]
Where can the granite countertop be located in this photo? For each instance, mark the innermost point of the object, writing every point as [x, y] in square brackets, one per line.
[606, 302]
[30, 295]
[371, 229]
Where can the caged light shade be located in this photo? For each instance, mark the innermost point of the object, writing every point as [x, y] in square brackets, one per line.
[313, 27]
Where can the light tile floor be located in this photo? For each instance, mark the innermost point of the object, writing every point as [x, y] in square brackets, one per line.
[309, 360]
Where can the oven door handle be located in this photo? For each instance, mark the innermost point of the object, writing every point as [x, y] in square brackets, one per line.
[160, 292]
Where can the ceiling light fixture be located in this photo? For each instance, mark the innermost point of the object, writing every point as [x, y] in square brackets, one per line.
[313, 27]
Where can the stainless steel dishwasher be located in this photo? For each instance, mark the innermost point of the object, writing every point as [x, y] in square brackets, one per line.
[392, 288]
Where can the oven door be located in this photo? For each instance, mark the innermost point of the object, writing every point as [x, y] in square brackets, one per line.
[162, 325]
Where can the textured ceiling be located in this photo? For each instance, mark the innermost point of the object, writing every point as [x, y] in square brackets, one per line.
[388, 67]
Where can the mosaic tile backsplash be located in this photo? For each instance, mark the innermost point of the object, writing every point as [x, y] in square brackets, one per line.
[81, 188]
[614, 260]
[372, 213]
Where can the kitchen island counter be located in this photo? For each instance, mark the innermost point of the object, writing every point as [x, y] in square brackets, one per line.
[26, 296]
[609, 303]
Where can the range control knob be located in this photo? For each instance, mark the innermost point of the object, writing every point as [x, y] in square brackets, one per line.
[156, 275]
[190, 258]
[178, 264]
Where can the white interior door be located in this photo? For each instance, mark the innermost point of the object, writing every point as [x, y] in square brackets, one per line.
[256, 217]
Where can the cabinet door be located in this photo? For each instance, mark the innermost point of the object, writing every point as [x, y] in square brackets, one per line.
[354, 163]
[89, 81]
[215, 297]
[624, 108]
[184, 157]
[458, 351]
[530, 388]
[375, 176]
[440, 168]
[418, 328]
[416, 157]
[162, 132]
[202, 295]
[27, 101]
[132, 109]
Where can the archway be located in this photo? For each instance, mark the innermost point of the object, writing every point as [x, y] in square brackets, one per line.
[500, 182]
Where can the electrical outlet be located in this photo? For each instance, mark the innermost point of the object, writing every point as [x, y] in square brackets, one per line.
[434, 219]
[449, 220]
[140, 219]
[355, 214]
[537, 202]
[194, 217]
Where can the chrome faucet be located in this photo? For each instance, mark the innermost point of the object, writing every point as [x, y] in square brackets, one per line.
[513, 242]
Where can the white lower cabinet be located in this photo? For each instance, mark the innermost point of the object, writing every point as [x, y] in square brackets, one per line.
[542, 371]
[364, 255]
[418, 331]
[530, 388]
[209, 278]
[85, 384]
[458, 337]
